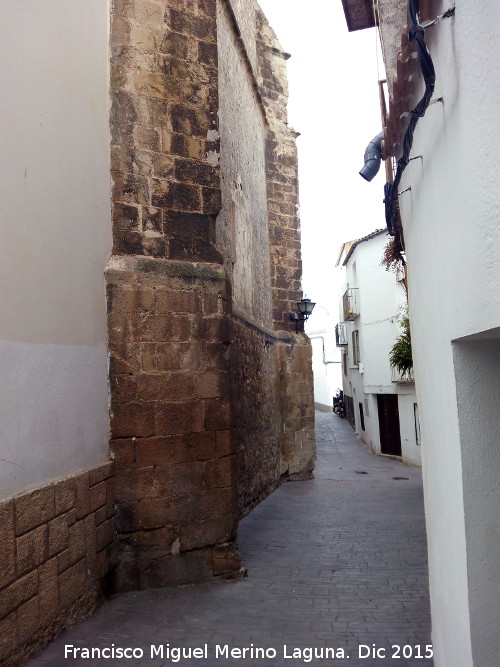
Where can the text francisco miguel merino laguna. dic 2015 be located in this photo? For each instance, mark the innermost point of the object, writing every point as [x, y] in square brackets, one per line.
[225, 652]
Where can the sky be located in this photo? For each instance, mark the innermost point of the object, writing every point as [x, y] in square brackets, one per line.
[334, 104]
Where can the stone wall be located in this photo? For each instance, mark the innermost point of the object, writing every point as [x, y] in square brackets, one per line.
[57, 553]
[281, 176]
[171, 423]
[205, 422]
[255, 379]
[296, 390]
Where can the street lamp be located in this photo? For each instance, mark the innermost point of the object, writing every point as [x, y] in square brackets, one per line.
[305, 308]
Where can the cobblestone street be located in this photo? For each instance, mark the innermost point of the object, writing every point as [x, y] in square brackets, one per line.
[338, 562]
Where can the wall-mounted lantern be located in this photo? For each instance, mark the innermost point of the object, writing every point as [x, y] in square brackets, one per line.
[305, 308]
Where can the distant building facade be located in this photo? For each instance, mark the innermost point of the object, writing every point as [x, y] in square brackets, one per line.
[152, 258]
[441, 132]
[381, 402]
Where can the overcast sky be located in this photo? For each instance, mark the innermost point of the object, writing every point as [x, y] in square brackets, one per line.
[334, 104]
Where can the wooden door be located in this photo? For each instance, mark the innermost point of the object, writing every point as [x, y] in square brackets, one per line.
[388, 419]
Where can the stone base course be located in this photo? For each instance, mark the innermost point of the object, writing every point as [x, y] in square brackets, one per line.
[57, 550]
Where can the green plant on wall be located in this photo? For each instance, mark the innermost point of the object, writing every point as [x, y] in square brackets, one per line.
[400, 355]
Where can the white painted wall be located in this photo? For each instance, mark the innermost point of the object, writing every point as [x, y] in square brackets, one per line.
[55, 239]
[451, 230]
[380, 299]
[320, 328]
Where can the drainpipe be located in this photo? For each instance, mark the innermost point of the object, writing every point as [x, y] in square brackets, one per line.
[373, 157]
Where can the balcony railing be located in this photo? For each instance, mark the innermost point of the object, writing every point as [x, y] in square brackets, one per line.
[402, 377]
[350, 304]
[341, 334]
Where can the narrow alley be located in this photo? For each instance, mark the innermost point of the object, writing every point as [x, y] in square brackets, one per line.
[337, 562]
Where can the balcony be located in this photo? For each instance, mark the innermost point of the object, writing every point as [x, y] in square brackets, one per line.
[341, 334]
[351, 304]
[402, 377]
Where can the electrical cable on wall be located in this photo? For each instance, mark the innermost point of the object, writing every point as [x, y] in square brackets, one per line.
[416, 34]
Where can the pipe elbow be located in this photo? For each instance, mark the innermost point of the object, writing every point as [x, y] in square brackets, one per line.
[373, 158]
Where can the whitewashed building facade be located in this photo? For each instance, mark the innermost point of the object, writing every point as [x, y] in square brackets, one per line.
[449, 215]
[381, 403]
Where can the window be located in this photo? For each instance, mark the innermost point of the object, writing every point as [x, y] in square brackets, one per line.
[417, 423]
[361, 416]
[344, 363]
[355, 348]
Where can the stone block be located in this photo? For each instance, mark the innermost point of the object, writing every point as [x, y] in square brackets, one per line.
[7, 543]
[154, 451]
[190, 226]
[63, 560]
[127, 242]
[218, 415]
[76, 541]
[217, 329]
[225, 560]
[134, 419]
[163, 387]
[123, 389]
[123, 452]
[148, 357]
[217, 503]
[146, 138]
[64, 495]
[211, 384]
[175, 44]
[31, 549]
[217, 356]
[130, 189]
[105, 534]
[97, 496]
[8, 636]
[180, 356]
[178, 197]
[28, 620]
[82, 495]
[189, 121]
[219, 473]
[194, 447]
[72, 584]
[135, 484]
[179, 418]
[101, 472]
[152, 220]
[127, 160]
[90, 523]
[225, 444]
[197, 172]
[193, 250]
[193, 566]
[99, 516]
[212, 201]
[48, 596]
[34, 508]
[179, 301]
[180, 481]
[198, 534]
[207, 53]
[200, 27]
[110, 497]
[18, 592]
[58, 535]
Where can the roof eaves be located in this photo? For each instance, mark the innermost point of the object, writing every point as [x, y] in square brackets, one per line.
[365, 238]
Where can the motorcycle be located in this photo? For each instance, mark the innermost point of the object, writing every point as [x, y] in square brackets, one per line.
[338, 403]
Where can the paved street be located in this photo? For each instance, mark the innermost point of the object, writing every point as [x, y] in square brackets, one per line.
[337, 562]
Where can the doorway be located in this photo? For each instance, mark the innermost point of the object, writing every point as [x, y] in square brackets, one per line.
[388, 419]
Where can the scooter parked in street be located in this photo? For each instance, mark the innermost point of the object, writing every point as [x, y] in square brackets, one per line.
[338, 403]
